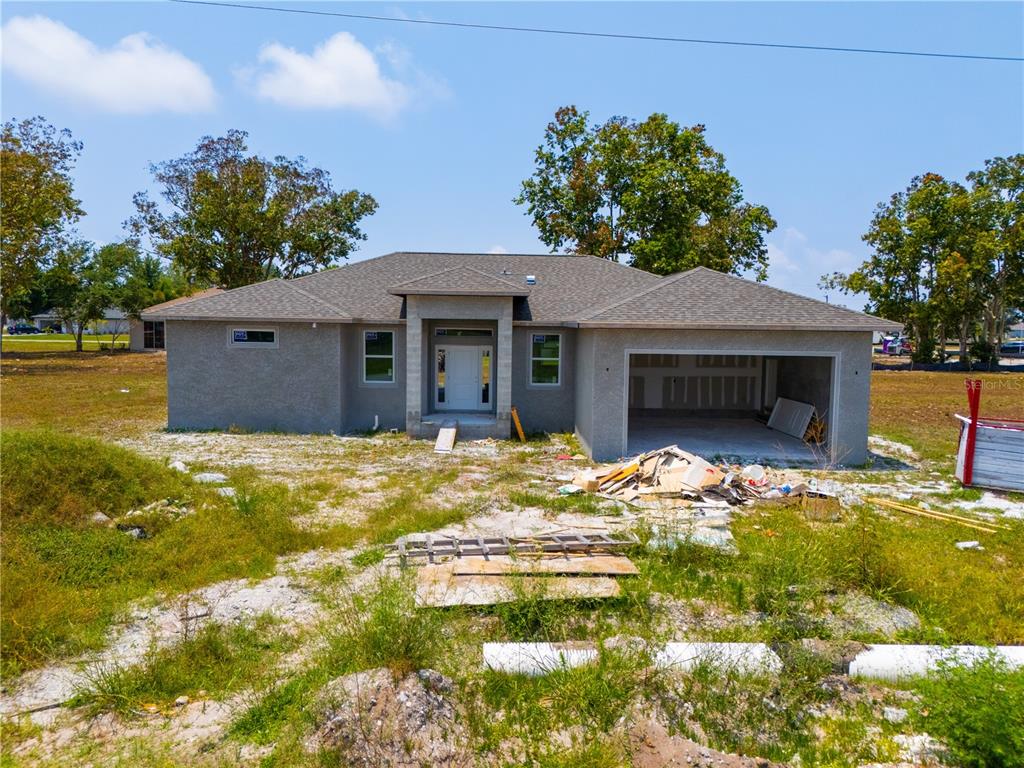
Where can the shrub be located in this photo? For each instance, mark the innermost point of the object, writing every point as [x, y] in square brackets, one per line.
[977, 711]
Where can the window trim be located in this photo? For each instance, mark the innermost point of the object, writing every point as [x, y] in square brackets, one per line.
[530, 360]
[152, 333]
[488, 335]
[232, 344]
[393, 357]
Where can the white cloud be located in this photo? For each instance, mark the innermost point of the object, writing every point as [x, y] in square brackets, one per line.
[340, 73]
[796, 265]
[137, 74]
[497, 249]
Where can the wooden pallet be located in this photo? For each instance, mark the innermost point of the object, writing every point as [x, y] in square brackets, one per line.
[432, 548]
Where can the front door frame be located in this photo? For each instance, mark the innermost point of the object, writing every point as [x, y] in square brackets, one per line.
[480, 406]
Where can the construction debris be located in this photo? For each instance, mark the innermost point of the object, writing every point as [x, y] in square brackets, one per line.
[437, 548]
[991, 451]
[979, 525]
[671, 472]
[486, 571]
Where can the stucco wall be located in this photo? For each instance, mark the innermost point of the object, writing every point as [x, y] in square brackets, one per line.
[544, 408]
[295, 387]
[584, 387]
[135, 336]
[603, 431]
[362, 401]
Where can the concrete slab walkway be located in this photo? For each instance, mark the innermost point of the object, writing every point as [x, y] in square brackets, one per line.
[745, 440]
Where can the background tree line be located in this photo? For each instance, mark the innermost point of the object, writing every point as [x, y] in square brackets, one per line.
[226, 218]
[948, 260]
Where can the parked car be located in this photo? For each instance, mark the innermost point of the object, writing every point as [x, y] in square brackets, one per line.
[22, 328]
[896, 346]
[1013, 348]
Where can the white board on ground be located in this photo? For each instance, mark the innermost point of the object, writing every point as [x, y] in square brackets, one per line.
[791, 417]
[446, 437]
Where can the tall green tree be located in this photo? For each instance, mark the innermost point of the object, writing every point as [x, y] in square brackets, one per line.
[947, 259]
[652, 191]
[83, 282]
[232, 218]
[999, 192]
[37, 204]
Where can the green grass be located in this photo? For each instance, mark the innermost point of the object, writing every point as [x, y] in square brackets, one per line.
[67, 578]
[381, 628]
[105, 396]
[61, 342]
[591, 699]
[977, 711]
[788, 564]
[216, 660]
[584, 503]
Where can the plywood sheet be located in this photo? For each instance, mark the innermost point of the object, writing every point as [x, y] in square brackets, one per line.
[441, 588]
[610, 565]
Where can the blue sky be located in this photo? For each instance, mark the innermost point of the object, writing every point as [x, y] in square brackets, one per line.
[440, 124]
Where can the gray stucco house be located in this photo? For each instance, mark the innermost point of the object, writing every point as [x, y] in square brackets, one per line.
[577, 344]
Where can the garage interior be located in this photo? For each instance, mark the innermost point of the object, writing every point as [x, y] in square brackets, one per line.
[717, 405]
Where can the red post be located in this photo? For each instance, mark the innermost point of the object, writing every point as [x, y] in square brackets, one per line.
[974, 401]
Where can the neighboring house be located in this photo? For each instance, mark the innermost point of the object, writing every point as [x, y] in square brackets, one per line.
[113, 321]
[148, 335]
[576, 343]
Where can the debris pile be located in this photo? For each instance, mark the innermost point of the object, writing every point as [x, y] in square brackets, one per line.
[675, 473]
[485, 571]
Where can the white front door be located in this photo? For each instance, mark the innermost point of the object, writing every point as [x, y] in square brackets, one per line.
[462, 378]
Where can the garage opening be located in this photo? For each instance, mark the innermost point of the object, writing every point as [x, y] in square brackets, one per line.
[718, 405]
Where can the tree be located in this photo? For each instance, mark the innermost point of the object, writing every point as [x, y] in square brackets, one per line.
[999, 191]
[912, 238]
[148, 282]
[652, 191]
[237, 218]
[947, 259]
[84, 282]
[37, 205]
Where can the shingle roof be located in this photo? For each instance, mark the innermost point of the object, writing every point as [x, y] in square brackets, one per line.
[565, 285]
[183, 299]
[270, 300]
[704, 298]
[567, 290]
[459, 281]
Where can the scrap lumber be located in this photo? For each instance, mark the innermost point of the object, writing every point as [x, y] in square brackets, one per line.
[518, 424]
[937, 513]
[446, 436]
[934, 515]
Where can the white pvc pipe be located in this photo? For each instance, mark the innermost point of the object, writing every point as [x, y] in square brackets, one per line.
[536, 658]
[893, 662]
[746, 658]
[540, 658]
